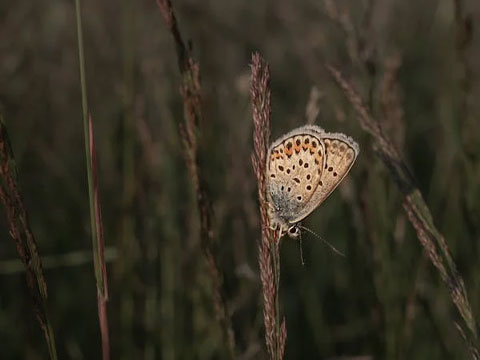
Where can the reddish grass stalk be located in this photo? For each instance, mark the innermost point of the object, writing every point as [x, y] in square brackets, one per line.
[93, 196]
[22, 235]
[269, 246]
[418, 213]
[102, 291]
[191, 93]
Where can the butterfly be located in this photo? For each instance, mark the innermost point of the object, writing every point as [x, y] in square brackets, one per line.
[303, 167]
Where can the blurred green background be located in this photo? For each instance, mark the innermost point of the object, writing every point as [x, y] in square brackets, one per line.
[415, 64]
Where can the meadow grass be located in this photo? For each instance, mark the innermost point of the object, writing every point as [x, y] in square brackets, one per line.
[196, 270]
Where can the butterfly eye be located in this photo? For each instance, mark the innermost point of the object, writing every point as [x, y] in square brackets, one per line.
[294, 232]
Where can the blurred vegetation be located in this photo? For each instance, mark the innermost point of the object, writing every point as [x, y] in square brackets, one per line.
[383, 301]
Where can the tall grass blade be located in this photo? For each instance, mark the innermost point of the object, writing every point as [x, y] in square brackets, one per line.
[95, 212]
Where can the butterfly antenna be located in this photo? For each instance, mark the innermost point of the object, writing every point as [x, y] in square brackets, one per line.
[325, 241]
[301, 250]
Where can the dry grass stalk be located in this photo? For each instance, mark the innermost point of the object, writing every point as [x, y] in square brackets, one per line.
[418, 213]
[21, 233]
[191, 92]
[342, 19]
[269, 246]
[102, 291]
[93, 197]
[360, 48]
[392, 117]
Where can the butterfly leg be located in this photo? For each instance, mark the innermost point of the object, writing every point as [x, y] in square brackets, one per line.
[271, 211]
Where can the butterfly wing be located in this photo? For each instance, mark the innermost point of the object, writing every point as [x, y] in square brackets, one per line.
[340, 154]
[295, 165]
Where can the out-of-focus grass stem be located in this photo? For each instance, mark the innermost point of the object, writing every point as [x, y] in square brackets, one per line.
[22, 235]
[93, 193]
[418, 213]
[193, 112]
[83, 84]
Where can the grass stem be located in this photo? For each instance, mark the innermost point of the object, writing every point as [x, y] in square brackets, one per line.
[98, 246]
[22, 235]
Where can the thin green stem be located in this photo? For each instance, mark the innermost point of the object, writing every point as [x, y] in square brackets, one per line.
[95, 212]
[83, 83]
